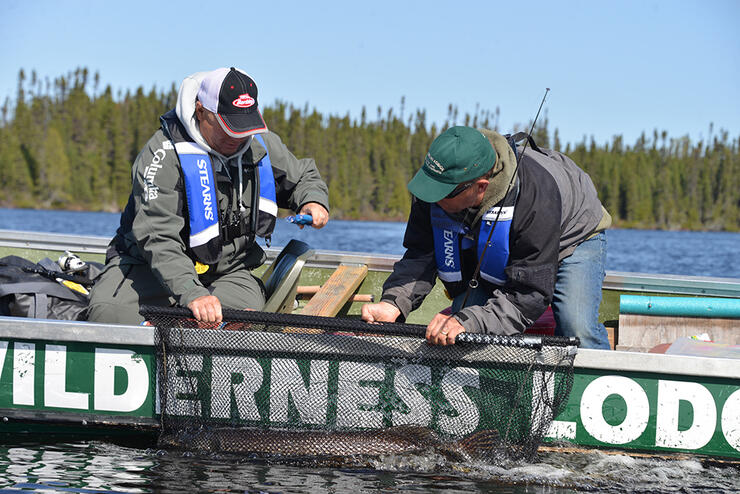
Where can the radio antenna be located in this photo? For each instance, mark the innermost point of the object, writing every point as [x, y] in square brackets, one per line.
[531, 128]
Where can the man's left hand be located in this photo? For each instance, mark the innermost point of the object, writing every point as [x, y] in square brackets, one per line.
[318, 212]
[443, 330]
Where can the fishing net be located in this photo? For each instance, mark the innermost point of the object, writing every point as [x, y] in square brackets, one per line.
[292, 386]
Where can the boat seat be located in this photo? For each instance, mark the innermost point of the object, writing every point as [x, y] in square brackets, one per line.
[281, 277]
[336, 291]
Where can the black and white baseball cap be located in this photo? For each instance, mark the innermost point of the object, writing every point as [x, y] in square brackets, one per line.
[232, 95]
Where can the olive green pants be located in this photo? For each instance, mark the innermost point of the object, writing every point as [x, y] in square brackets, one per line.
[121, 290]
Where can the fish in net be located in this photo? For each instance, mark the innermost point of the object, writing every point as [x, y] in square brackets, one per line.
[287, 386]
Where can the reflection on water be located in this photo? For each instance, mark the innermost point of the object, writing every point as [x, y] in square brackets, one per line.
[99, 466]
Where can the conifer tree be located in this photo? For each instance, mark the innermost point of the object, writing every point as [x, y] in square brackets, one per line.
[71, 145]
[55, 177]
[17, 184]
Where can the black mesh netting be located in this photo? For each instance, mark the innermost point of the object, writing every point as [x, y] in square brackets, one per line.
[292, 386]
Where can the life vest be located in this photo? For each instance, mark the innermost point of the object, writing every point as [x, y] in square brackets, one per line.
[206, 234]
[200, 192]
[268, 208]
[451, 237]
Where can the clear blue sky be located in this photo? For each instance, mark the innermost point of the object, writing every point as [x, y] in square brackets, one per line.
[614, 67]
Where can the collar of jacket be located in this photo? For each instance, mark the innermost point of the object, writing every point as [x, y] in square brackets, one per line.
[499, 183]
[257, 150]
[177, 132]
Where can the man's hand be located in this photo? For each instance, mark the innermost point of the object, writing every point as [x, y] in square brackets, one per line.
[443, 329]
[318, 212]
[206, 308]
[380, 312]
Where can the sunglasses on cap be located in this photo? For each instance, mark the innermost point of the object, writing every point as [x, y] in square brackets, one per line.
[460, 189]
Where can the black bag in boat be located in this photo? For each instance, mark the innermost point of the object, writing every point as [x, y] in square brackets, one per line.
[35, 290]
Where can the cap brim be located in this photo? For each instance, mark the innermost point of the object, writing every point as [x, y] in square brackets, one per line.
[242, 124]
[427, 189]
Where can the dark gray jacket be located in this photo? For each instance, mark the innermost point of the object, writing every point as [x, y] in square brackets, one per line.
[557, 208]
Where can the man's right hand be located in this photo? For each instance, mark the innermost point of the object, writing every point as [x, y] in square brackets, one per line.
[206, 308]
[380, 312]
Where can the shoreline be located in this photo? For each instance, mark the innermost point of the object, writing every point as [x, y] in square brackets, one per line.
[621, 225]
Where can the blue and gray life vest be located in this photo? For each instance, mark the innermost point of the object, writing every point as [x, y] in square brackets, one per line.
[451, 237]
[206, 239]
[268, 208]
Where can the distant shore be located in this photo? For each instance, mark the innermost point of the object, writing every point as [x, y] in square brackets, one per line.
[395, 219]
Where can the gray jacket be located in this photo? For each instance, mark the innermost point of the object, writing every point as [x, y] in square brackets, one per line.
[556, 209]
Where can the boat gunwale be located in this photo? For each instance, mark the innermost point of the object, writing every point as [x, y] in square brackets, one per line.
[18, 328]
[329, 259]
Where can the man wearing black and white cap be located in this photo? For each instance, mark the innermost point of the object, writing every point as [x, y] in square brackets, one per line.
[207, 183]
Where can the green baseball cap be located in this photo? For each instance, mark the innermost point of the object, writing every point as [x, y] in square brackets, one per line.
[458, 155]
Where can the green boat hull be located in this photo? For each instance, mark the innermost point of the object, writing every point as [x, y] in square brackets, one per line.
[94, 379]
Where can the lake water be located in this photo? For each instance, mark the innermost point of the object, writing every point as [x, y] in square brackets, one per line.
[71, 465]
[104, 466]
[643, 251]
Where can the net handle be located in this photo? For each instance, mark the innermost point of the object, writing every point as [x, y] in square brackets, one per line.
[359, 326]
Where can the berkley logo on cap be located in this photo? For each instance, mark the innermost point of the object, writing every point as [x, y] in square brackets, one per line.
[243, 101]
[433, 165]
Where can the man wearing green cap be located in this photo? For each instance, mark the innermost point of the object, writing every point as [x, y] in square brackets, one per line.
[529, 235]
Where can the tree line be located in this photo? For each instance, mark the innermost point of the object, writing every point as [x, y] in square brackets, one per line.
[68, 144]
